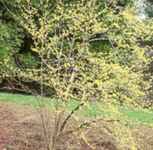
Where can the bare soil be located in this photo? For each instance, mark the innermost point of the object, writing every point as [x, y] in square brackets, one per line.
[21, 128]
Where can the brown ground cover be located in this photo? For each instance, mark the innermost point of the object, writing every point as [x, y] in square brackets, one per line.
[21, 129]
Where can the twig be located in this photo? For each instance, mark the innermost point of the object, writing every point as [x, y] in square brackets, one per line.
[69, 116]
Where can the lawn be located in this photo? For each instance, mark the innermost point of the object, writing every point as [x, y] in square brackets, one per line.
[136, 115]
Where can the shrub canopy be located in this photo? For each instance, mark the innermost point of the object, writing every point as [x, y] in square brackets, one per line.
[85, 50]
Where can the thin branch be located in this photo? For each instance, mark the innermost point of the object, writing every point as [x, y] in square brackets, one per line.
[70, 115]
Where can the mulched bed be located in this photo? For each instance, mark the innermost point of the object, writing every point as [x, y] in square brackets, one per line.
[21, 129]
[4, 139]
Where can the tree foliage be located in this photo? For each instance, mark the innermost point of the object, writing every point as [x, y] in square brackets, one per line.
[90, 50]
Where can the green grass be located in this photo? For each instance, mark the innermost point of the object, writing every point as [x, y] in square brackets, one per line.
[17, 98]
[89, 110]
